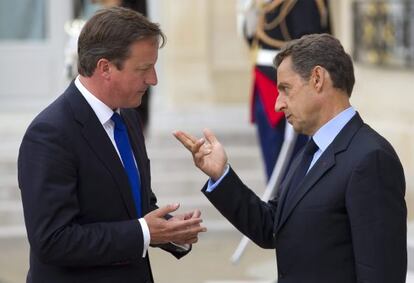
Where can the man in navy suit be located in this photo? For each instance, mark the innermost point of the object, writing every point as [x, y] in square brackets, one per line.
[83, 169]
[340, 214]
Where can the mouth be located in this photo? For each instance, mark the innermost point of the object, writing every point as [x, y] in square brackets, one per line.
[289, 118]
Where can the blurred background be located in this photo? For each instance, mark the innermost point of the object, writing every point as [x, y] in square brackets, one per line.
[205, 80]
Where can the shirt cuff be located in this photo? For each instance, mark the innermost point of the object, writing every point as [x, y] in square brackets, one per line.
[146, 235]
[212, 185]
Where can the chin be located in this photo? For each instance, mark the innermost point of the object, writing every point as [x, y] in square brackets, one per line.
[137, 104]
[297, 129]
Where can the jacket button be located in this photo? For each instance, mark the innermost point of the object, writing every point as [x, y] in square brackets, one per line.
[281, 275]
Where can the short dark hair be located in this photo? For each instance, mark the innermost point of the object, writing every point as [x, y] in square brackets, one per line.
[320, 50]
[109, 34]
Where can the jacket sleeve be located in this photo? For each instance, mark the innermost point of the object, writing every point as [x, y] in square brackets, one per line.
[377, 213]
[244, 209]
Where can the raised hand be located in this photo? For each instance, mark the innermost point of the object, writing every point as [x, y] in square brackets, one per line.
[208, 153]
[182, 229]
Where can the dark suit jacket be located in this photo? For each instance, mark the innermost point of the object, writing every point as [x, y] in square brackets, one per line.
[79, 211]
[347, 222]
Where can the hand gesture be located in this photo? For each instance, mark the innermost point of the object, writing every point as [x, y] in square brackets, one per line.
[185, 216]
[208, 153]
[182, 229]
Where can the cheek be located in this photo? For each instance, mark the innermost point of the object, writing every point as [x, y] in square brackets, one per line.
[300, 108]
[128, 83]
[310, 110]
[135, 79]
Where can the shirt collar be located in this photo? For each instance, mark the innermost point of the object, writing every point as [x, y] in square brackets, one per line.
[327, 133]
[102, 111]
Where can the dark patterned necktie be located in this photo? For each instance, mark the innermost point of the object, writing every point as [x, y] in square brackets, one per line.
[308, 152]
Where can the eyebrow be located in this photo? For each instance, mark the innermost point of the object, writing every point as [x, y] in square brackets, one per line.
[282, 85]
[145, 65]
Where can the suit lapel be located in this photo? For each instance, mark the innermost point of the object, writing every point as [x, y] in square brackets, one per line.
[101, 145]
[323, 165]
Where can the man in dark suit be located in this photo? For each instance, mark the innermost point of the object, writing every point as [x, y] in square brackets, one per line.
[340, 214]
[83, 170]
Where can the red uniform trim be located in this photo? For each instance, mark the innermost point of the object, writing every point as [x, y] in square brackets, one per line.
[267, 90]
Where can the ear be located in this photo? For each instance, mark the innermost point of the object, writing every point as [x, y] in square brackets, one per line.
[103, 68]
[318, 78]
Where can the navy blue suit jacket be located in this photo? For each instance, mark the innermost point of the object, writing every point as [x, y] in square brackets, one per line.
[345, 224]
[79, 212]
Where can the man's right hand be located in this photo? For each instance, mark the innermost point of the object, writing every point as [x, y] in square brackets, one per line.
[184, 230]
[208, 153]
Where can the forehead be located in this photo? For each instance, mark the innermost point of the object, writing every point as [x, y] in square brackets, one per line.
[144, 49]
[286, 64]
[285, 70]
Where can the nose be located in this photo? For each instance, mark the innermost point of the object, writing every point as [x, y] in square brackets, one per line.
[280, 104]
[151, 78]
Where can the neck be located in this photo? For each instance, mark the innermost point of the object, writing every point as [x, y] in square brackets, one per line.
[333, 107]
[97, 89]
[336, 108]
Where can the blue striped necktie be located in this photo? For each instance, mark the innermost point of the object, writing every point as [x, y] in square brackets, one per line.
[125, 150]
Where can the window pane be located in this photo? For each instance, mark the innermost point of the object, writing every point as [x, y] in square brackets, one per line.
[383, 32]
[22, 20]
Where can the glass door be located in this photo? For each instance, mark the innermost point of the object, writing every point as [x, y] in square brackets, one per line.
[32, 41]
